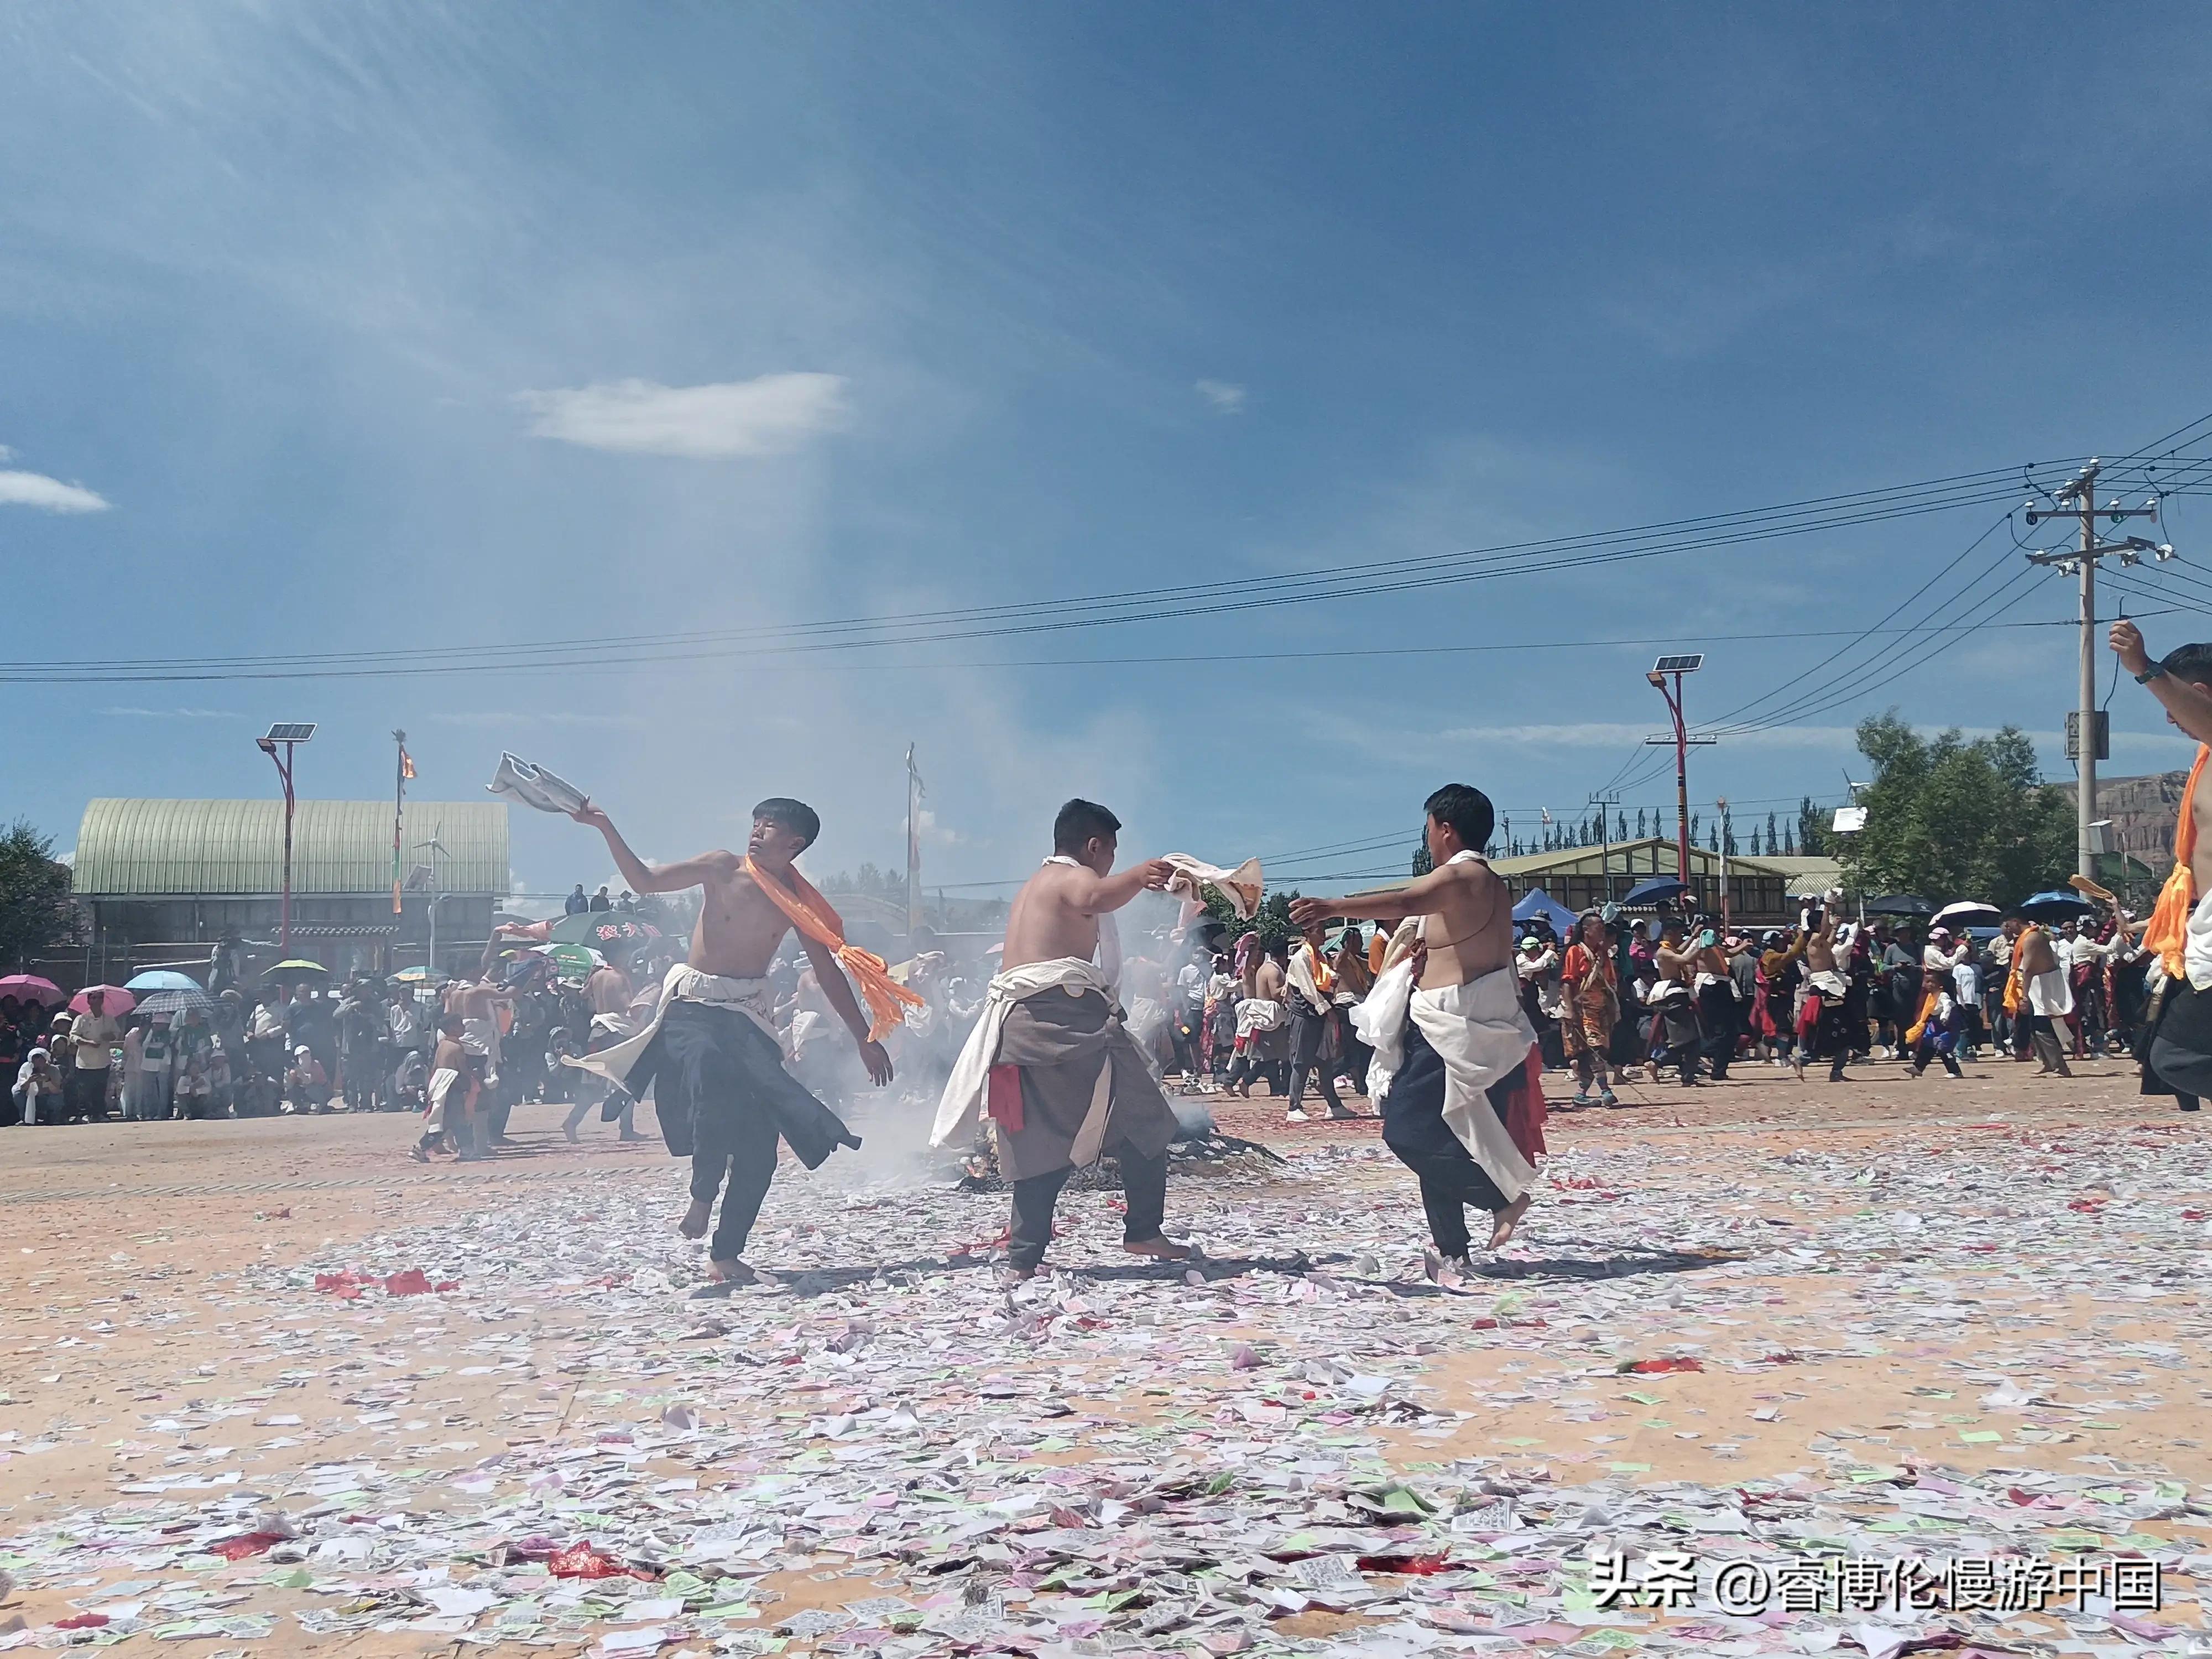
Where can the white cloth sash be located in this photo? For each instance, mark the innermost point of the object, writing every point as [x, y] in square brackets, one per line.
[960, 1107]
[2197, 945]
[1481, 1034]
[2049, 994]
[684, 983]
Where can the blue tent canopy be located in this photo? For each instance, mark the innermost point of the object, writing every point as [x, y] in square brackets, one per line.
[1538, 902]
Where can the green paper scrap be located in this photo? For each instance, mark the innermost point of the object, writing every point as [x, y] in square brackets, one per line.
[1978, 1437]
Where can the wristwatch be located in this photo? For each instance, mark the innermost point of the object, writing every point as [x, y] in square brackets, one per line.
[2150, 673]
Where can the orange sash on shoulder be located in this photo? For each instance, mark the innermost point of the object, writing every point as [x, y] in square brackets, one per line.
[813, 916]
[2177, 899]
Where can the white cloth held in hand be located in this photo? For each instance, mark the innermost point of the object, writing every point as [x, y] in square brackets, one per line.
[1242, 886]
[533, 785]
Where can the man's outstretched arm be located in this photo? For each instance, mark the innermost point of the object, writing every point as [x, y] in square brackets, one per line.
[1105, 893]
[838, 990]
[643, 877]
[1422, 896]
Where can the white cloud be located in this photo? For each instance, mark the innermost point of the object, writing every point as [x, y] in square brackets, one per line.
[930, 833]
[49, 495]
[1224, 397]
[132, 711]
[769, 416]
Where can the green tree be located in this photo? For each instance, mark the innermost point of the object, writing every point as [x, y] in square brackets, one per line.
[1422, 862]
[1812, 834]
[1950, 820]
[35, 911]
[1273, 918]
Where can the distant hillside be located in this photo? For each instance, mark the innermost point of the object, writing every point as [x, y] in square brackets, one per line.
[2143, 811]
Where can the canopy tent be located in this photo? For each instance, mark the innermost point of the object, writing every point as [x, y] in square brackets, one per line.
[1536, 902]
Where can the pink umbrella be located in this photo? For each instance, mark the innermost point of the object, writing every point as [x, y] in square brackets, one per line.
[32, 987]
[116, 1000]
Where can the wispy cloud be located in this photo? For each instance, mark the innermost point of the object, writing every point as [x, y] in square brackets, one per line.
[48, 494]
[537, 717]
[1224, 397]
[133, 712]
[769, 416]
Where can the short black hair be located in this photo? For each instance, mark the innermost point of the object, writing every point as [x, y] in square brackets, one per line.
[1078, 822]
[795, 816]
[2192, 663]
[1466, 809]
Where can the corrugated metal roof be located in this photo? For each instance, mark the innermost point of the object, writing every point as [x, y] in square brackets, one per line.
[234, 846]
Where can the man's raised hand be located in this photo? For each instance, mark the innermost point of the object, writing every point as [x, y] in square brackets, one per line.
[587, 813]
[2127, 643]
[878, 1059]
[1157, 873]
[1304, 912]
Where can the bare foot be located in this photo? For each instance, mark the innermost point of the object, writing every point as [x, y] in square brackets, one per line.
[1160, 1249]
[696, 1219]
[1010, 1275]
[732, 1272]
[1502, 1223]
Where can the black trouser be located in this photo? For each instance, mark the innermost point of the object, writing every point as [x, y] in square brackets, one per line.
[1308, 1038]
[1717, 1012]
[1678, 1025]
[1414, 1130]
[86, 1091]
[744, 1149]
[1143, 1191]
[1247, 1069]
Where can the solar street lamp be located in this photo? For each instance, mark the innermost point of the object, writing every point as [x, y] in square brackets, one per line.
[291, 734]
[1679, 666]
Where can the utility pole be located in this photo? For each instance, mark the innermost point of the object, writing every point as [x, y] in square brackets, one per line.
[1681, 739]
[1605, 800]
[2089, 742]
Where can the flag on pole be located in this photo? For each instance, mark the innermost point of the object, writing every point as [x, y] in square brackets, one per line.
[398, 811]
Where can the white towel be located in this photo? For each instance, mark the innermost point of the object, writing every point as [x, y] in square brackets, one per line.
[533, 785]
[1242, 886]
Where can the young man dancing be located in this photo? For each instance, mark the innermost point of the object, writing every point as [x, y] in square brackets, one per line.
[1455, 1060]
[1049, 1058]
[723, 1095]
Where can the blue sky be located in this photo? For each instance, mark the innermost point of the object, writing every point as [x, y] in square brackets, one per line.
[380, 328]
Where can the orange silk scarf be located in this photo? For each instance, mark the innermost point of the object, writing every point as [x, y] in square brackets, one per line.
[2169, 921]
[812, 915]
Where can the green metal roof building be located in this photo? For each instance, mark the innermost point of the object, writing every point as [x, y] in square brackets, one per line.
[162, 879]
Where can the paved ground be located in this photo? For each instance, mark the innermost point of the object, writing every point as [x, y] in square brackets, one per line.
[1764, 1323]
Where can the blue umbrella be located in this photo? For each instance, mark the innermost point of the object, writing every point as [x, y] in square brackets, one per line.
[1537, 902]
[162, 979]
[1657, 890]
[2059, 901]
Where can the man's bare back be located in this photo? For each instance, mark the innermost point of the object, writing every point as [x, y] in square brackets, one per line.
[1055, 915]
[1470, 930]
[1049, 921]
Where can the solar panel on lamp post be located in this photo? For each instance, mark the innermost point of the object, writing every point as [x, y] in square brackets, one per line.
[291, 734]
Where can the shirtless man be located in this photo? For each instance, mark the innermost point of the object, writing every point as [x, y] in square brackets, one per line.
[1820, 1027]
[2045, 1000]
[724, 1095]
[1460, 1109]
[2178, 1060]
[1048, 1056]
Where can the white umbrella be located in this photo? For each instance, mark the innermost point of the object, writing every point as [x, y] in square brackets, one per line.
[1968, 913]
